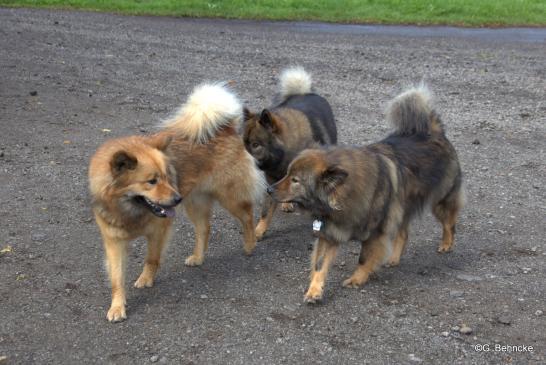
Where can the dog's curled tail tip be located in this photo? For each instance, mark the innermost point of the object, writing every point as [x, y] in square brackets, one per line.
[209, 108]
[295, 81]
[412, 112]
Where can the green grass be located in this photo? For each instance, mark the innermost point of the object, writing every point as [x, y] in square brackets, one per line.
[448, 12]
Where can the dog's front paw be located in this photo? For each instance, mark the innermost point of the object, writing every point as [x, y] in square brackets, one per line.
[144, 281]
[193, 260]
[444, 248]
[353, 282]
[260, 230]
[116, 313]
[313, 295]
[392, 262]
[288, 207]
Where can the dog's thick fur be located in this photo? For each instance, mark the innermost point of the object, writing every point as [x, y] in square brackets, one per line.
[371, 193]
[299, 119]
[198, 157]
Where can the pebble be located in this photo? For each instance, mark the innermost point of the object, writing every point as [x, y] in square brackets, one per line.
[476, 141]
[38, 237]
[539, 313]
[33, 93]
[526, 270]
[414, 358]
[455, 328]
[204, 296]
[154, 358]
[465, 330]
[3, 359]
[445, 333]
[504, 319]
[456, 293]
[466, 277]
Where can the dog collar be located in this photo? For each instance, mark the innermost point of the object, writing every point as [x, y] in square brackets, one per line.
[317, 225]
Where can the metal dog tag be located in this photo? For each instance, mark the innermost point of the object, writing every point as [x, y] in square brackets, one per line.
[317, 225]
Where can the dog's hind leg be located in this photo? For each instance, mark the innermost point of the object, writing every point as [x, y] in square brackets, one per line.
[316, 287]
[268, 209]
[372, 256]
[446, 212]
[157, 240]
[199, 212]
[242, 210]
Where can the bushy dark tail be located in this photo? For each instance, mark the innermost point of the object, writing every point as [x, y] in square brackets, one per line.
[412, 113]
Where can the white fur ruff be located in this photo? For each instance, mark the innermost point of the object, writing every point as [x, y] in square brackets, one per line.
[209, 108]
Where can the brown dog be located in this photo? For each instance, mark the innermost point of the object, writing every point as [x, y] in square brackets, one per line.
[371, 193]
[300, 119]
[197, 158]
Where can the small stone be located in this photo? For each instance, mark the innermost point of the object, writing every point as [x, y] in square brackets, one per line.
[526, 270]
[354, 319]
[466, 277]
[414, 358]
[269, 319]
[504, 319]
[33, 93]
[445, 334]
[163, 360]
[465, 330]
[38, 237]
[476, 141]
[154, 358]
[455, 328]
[456, 293]
[204, 296]
[539, 313]
[3, 359]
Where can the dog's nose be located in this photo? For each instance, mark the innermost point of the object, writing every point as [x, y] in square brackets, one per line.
[177, 199]
[270, 190]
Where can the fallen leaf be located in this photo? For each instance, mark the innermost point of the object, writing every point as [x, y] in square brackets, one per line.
[106, 130]
[6, 249]
[21, 277]
[67, 142]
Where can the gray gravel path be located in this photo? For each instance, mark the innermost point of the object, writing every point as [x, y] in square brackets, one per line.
[68, 77]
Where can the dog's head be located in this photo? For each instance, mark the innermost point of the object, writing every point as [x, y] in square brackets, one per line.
[143, 177]
[312, 182]
[262, 138]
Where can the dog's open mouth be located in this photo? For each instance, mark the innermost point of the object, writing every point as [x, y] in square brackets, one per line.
[159, 210]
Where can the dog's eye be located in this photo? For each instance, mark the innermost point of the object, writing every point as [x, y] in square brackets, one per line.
[152, 181]
[295, 180]
[255, 145]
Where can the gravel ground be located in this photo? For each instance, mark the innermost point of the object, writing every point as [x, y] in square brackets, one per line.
[71, 80]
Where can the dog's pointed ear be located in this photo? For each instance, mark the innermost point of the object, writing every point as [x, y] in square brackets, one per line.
[160, 141]
[121, 162]
[333, 177]
[268, 121]
[247, 114]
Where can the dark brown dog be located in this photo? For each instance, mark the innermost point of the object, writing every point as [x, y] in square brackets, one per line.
[301, 119]
[136, 182]
[371, 193]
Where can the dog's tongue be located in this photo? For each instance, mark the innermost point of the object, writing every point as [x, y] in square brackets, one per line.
[170, 212]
